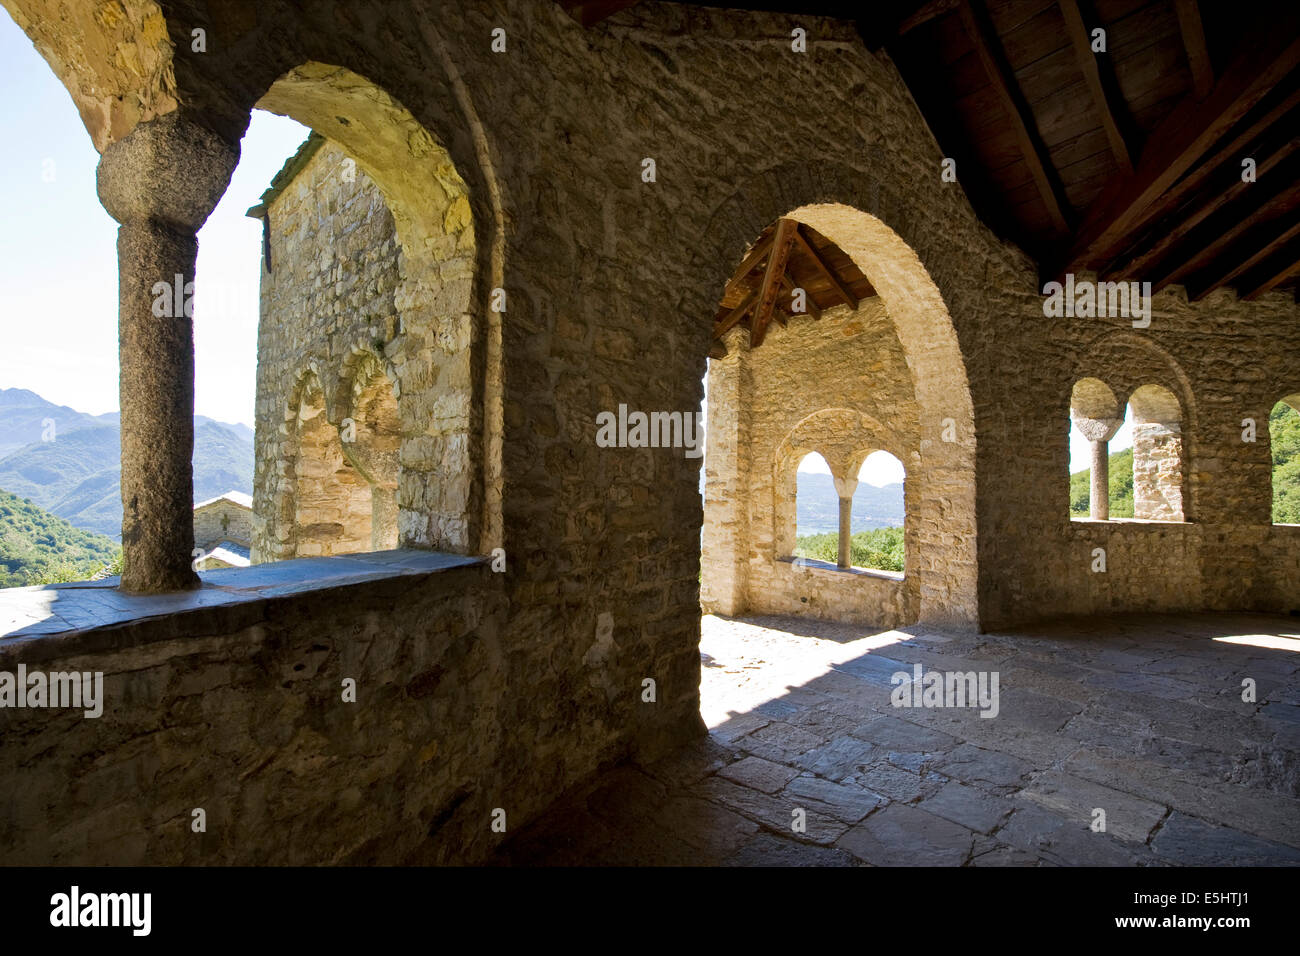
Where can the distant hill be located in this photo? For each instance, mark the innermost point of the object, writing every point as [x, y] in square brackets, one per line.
[818, 506]
[37, 547]
[1121, 487]
[77, 476]
[24, 418]
[1284, 431]
[1284, 436]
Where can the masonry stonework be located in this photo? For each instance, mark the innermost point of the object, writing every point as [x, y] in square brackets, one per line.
[519, 173]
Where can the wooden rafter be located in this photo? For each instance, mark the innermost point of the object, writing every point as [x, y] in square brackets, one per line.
[935, 8]
[1277, 202]
[849, 298]
[1101, 86]
[1174, 233]
[1004, 84]
[1271, 235]
[1185, 138]
[1289, 269]
[751, 261]
[590, 12]
[1198, 54]
[772, 275]
[727, 322]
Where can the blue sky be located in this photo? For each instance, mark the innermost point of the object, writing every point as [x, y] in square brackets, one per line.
[58, 253]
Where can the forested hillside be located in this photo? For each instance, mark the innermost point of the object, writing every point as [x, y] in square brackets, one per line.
[37, 547]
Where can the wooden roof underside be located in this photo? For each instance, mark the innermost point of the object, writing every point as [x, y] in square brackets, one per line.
[791, 271]
[1128, 162]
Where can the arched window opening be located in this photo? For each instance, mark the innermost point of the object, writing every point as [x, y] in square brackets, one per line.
[1097, 420]
[1284, 444]
[878, 514]
[1156, 415]
[332, 501]
[817, 511]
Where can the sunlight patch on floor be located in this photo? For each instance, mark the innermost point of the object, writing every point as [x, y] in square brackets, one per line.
[745, 665]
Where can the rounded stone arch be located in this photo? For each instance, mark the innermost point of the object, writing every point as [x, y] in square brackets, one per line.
[1126, 361]
[915, 265]
[1151, 381]
[318, 498]
[445, 356]
[1091, 398]
[838, 435]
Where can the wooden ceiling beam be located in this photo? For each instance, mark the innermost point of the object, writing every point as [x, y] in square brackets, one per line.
[983, 35]
[1289, 269]
[1105, 93]
[725, 324]
[1269, 241]
[824, 267]
[928, 12]
[1174, 233]
[590, 12]
[1198, 53]
[782, 240]
[1182, 140]
[1209, 256]
[750, 261]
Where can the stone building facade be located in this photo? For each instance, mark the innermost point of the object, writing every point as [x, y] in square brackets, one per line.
[541, 278]
[223, 531]
[328, 435]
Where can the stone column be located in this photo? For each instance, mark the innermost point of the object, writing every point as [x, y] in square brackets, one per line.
[845, 488]
[160, 182]
[1099, 431]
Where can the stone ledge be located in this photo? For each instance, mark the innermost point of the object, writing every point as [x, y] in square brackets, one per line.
[818, 565]
[58, 620]
[1132, 522]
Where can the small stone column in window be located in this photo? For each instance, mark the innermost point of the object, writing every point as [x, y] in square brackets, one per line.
[1099, 431]
[845, 488]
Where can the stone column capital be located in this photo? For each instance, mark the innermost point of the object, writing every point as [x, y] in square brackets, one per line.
[1097, 429]
[168, 170]
[845, 487]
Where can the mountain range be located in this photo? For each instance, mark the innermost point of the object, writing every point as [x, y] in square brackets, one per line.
[75, 472]
[817, 506]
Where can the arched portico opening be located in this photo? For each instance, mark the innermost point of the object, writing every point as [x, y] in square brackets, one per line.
[928, 405]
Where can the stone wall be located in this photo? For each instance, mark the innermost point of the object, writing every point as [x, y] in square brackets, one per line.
[239, 711]
[610, 283]
[328, 319]
[222, 520]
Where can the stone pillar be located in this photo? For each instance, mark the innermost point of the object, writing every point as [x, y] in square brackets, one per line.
[1099, 431]
[160, 182]
[1157, 471]
[845, 488]
[725, 540]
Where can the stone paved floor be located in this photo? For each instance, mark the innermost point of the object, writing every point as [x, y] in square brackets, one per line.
[1139, 716]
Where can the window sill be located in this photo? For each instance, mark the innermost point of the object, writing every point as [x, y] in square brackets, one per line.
[65, 614]
[818, 565]
[1157, 522]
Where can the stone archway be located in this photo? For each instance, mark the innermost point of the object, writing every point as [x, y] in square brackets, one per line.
[436, 423]
[942, 471]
